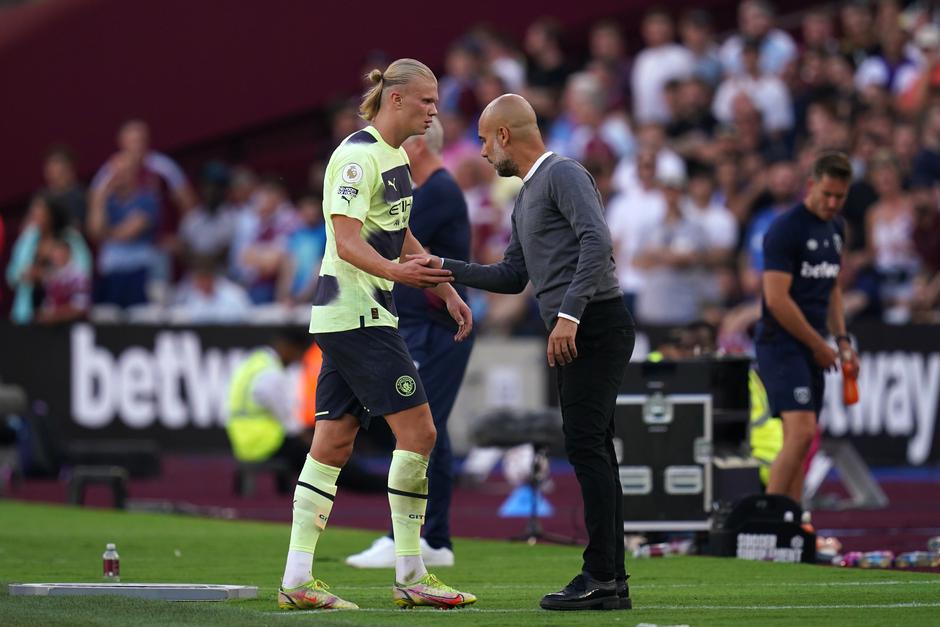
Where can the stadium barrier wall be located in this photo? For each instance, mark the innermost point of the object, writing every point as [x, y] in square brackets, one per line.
[169, 384]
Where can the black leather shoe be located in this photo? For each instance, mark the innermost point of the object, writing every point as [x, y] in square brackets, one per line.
[623, 594]
[584, 593]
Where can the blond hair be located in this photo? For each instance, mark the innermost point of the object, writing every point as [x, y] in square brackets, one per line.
[400, 72]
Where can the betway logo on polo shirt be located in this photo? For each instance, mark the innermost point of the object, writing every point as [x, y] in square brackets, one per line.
[824, 270]
[175, 384]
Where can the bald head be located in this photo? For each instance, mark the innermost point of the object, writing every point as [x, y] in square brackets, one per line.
[509, 132]
[512, 112]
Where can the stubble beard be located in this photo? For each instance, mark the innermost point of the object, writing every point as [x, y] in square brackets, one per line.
[506, 168]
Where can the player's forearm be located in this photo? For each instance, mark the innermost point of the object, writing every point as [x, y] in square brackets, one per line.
[356, 251]
[786, 312]
[836, 315]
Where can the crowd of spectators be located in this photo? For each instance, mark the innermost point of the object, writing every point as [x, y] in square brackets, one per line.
[696, 141]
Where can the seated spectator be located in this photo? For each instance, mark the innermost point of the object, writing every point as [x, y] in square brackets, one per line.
[659, 62]
[208, 229]
[48, 221]
[124, 219]
[206, 297]
[926, 301]
[61, 180]
[66, 284]
[756, 22]
[890, 236]
[260, 243]
[926, 167]
[670, 254]
[305, 247]
[768, 93]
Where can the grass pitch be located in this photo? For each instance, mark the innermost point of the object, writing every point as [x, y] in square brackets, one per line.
[42, 543]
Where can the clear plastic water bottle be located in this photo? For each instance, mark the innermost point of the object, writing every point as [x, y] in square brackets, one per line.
[111, 564]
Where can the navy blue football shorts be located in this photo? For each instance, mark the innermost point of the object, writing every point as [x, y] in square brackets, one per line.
[366, 372]
[793, 380]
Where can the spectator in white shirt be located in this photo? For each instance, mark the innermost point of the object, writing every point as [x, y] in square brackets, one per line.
[661, 61]
[629, 216]
[205, 297]
[670, 254]
[768, 93]
[720, 229]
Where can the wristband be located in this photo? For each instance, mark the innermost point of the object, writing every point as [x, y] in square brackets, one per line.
[847, 338]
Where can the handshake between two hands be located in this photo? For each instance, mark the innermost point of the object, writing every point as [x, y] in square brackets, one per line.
[424, 271]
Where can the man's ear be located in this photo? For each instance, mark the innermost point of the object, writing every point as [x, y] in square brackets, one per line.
[396, 99]
[502, 135]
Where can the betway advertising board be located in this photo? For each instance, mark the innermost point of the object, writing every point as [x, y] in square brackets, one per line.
[169, 384]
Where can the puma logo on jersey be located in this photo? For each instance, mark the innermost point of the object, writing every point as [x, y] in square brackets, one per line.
[391, 183]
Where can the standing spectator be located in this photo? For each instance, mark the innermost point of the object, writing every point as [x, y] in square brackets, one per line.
[783, 193]
[858, 33]
[305, 248]
[124, 219]
[206, 297]
[59, 173]
[768, 93]
[926, 167]
[651, 138]
[669, 254]
[66, 286]
[502, 57]
[48, 221]
[260, 243]
[816, 32]
[463, 65]
[629, 217]
[695, 31]
[154, 169]
[661, 61]
[924, 90]
[890, 69]
[208, 229]
[608, 47]
[693, 125]
[547, 69]
[890, 231]
[720, 231]
[586, 121]
[756, 21]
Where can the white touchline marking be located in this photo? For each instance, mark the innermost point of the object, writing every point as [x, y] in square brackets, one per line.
[480, 610]
[808, 584]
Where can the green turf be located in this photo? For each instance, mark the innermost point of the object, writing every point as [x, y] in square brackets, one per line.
[41, 543]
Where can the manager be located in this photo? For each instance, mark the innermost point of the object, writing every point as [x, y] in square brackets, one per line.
[560, 242]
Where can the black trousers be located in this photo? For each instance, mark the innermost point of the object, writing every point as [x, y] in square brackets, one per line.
[587, 389]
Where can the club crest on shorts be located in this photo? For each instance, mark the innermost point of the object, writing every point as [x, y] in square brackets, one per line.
[801, 394]
[405, 385]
